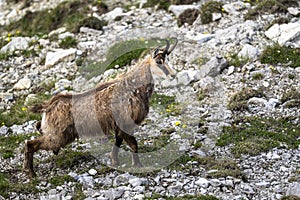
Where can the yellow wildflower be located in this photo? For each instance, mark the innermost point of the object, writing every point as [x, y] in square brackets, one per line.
[24, 109]
[18, 32]
[272, 67]
[184, 126]
[168, 110]
[8, 34]
[2, 123]
[177, 123]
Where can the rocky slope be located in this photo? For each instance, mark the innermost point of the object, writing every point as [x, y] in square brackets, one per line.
[222, 81]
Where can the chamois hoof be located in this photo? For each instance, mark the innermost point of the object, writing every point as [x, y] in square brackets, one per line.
[29, 173]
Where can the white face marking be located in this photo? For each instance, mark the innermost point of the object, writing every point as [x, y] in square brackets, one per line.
[43, 122]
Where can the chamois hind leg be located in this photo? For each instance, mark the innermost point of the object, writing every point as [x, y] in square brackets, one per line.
[131, 141]
[115, 151]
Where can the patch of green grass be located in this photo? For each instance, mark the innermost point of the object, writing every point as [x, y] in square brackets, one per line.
[202, 94]
[8, 185]
[292, 96]
[91, 22]
[164, 4]
[253, 135]
[68, 42]
[280, 54]
[18, 114]
[68, 14]
[69, 158]
[120, 54]
[238, 102]
[60, 180]
[27, 53]
[220, 167]
[237, 61]
[8, 144]
[4, 184]
[269, 7]
[290, 197]
[165, 104]
[258, 76]
[208, 8]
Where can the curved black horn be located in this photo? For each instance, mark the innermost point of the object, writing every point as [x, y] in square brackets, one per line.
[167, 47]
[173, 47]
[156, 51]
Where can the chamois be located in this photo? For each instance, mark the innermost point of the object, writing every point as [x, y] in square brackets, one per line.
[113, 107]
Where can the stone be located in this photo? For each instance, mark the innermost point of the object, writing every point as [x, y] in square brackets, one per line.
[121, 179]
[138, 182]
[3, 130]
[248, 51]
[202, 182]
[230, 70]
[179, 9]
[199, 37]
[185, 77]
[112, 15]
[6, 96]
[92, 172]
[213, 67]
[216, 16]
[57, 31]
[16, 43]
[64, 35]
[235, 7]
[293, 189]
[294, 11]
[59, 55]
[284, 33]
[22, 84]
[30, 98]
[86, 179]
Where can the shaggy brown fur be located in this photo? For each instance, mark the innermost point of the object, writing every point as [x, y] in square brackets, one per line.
[112, 107]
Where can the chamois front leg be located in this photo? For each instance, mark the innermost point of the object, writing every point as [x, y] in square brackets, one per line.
[30, 147]
[131, 141]
[115, 151]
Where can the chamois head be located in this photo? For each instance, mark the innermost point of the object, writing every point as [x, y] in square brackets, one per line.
[160, 56]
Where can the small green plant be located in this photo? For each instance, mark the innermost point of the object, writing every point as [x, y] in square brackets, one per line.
[165, 104]
[208, 8]
[238, 102]
[237, 61]
[280, 54]
[202, 94]
[67, 14]
[269, 7]
[164, 4]
[290, 197]
[4, 184]
[258, 76]
[68, 42]
[60, 180]
[292, 96]
[17, 114]
[8, 144]
[91, 22]
[69, 158]
[253, 135]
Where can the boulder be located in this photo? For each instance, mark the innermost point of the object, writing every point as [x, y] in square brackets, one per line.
[284, 33]
[179, 9]
[249, 51]
[22, 84]
[16, 43]
[59, 55]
